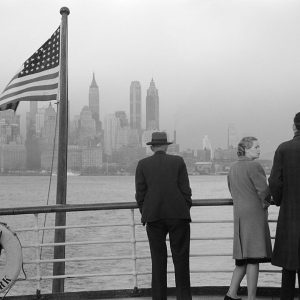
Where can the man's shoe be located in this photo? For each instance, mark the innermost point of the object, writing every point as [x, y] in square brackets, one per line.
[229, 298]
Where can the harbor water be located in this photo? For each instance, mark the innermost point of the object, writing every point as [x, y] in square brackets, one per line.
[20, 191]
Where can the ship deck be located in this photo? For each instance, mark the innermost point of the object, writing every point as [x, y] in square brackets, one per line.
[202, 297]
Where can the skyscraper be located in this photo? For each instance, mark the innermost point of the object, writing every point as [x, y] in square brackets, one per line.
[152, 107]
[49, 123]
[135, 105]
[121, 115]
[94, 102]
[111, 127]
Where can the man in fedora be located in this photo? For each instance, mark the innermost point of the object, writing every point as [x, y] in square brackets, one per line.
[285, 190]
[163, 195]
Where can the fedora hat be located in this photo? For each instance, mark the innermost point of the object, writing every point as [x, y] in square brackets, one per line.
[159, 138]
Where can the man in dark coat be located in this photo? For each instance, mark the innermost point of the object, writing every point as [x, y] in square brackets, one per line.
[163, 195]
[284, 184]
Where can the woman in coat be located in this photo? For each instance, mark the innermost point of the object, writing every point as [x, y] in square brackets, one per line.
[250, 193]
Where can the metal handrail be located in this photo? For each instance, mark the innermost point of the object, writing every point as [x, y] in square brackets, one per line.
[131, 206]
[98, 206]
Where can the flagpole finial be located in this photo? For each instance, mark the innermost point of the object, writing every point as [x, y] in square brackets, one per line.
[64, 10]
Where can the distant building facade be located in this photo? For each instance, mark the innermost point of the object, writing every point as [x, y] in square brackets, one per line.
[9, 127]
[87, 127]
[91, 157]
[121, 115]
[12, 157]
[94, 103]
[49, 124]
[111, 128]
[135, 105]
[152, 107]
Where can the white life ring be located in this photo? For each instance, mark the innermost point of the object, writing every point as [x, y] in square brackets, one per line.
[14, 259]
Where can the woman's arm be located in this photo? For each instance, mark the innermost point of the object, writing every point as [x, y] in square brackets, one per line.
[275, 179]
[259, 180]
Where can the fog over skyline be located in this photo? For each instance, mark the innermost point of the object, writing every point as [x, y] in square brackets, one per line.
[213, 62]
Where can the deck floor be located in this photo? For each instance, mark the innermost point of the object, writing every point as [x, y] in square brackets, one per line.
[198, 298]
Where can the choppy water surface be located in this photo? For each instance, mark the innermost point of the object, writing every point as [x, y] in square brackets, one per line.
[32, 191]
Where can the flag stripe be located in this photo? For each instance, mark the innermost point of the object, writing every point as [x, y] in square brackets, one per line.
[25, 82]
[22, 87]
[38, 95]
[17, 79]
[14, 104]
[31, 89]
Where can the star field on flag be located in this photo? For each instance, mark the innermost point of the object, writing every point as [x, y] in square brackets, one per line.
[38, 79]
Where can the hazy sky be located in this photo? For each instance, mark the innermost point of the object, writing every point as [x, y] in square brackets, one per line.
[214, 62]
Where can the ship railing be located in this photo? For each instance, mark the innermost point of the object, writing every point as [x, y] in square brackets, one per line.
[131, 207]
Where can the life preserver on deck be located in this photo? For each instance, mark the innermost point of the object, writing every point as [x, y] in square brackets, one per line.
[14, 258]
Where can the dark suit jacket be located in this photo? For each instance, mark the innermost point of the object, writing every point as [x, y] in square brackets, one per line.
[284, 182]
[162, 188]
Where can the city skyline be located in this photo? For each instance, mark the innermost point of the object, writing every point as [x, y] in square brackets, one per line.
[214, 62]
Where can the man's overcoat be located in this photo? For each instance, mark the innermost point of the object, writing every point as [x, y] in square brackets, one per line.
[162, 188]
[284, 183]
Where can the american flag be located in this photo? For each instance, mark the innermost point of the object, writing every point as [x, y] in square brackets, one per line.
[38, 79]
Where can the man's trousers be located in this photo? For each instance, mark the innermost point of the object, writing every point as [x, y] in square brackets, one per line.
[179, 235]
[288, 284]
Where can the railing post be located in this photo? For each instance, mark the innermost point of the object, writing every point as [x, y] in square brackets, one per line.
[133, 249]
[38, 254]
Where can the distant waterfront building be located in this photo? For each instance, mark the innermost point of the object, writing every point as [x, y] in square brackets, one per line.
[94, 103]
[9, 127]
[79, 158]
[121, 115]
[31, 117]
[12, 157]
[146, 137]
[152, 107]
[203, 155]
[87, 127]
[87, 122]
[33, 108]
[207, 146]
[225, 154]
[174, 148]
[91, 157]
[39, 120]
[134, 138]
[111, 127]
[74, 157]
[123, 135]
[135, 105]
[50, 124]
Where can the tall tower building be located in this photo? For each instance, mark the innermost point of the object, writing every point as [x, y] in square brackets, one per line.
[111, 128]
[152, 107]
[135, 105]
[33, 108]
[50, 124]
[121, 115]
[94, 102]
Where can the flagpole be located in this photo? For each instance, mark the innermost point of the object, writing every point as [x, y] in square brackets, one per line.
[61, 190]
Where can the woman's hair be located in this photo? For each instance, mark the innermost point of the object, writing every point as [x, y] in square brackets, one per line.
[245, 143]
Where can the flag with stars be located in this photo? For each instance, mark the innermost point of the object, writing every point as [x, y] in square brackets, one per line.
[38, 79]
